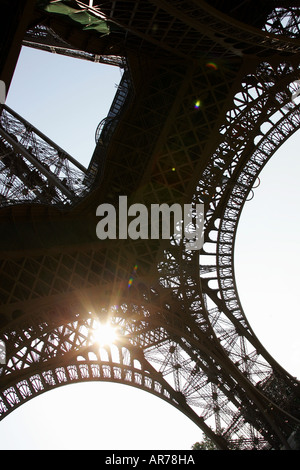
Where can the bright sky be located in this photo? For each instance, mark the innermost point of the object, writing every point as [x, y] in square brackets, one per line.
[66, 99]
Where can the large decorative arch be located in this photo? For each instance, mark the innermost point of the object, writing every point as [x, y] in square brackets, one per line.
[166, 353]
[46, 353]
[182, 333]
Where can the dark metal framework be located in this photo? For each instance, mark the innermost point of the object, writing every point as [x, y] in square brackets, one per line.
[181, 330]
[33, 168]
[43, 38]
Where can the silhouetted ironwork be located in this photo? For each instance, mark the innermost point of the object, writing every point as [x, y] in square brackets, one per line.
[205, 100]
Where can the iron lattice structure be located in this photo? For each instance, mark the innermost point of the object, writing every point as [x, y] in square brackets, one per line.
[181, 330]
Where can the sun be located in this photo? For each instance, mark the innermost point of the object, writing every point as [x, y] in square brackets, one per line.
[104, 334]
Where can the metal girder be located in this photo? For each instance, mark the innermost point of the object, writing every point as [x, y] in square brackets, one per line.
[43, 38]
[182, 29]
[181, 331]
[33, 168]
[15, 17]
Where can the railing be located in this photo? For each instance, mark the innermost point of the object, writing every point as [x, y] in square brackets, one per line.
[45, 39]
[107, 127]
[33, 168]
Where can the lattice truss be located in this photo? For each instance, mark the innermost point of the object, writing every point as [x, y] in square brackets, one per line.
[180, 27]
[32, 168]
[263, 117]
[177, 360]
[68, 353]
[44, 38]
[186, 339]
[284, 21]
[252, 135]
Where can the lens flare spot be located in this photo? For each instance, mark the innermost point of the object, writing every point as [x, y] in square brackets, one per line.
[212, 65]
[131, 279]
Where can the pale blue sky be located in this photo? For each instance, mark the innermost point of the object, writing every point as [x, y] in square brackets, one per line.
[66, 99]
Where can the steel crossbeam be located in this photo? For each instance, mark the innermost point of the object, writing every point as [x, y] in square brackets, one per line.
[183, 131]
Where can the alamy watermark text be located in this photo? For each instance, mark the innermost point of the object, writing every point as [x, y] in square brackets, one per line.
[161, 222]
[2, 92]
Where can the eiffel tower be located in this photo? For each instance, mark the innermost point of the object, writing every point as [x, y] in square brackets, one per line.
[205, 100]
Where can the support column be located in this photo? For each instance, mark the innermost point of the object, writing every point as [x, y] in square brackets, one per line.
[15, 18]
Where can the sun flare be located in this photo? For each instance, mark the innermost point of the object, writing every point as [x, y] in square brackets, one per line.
[104, 334]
